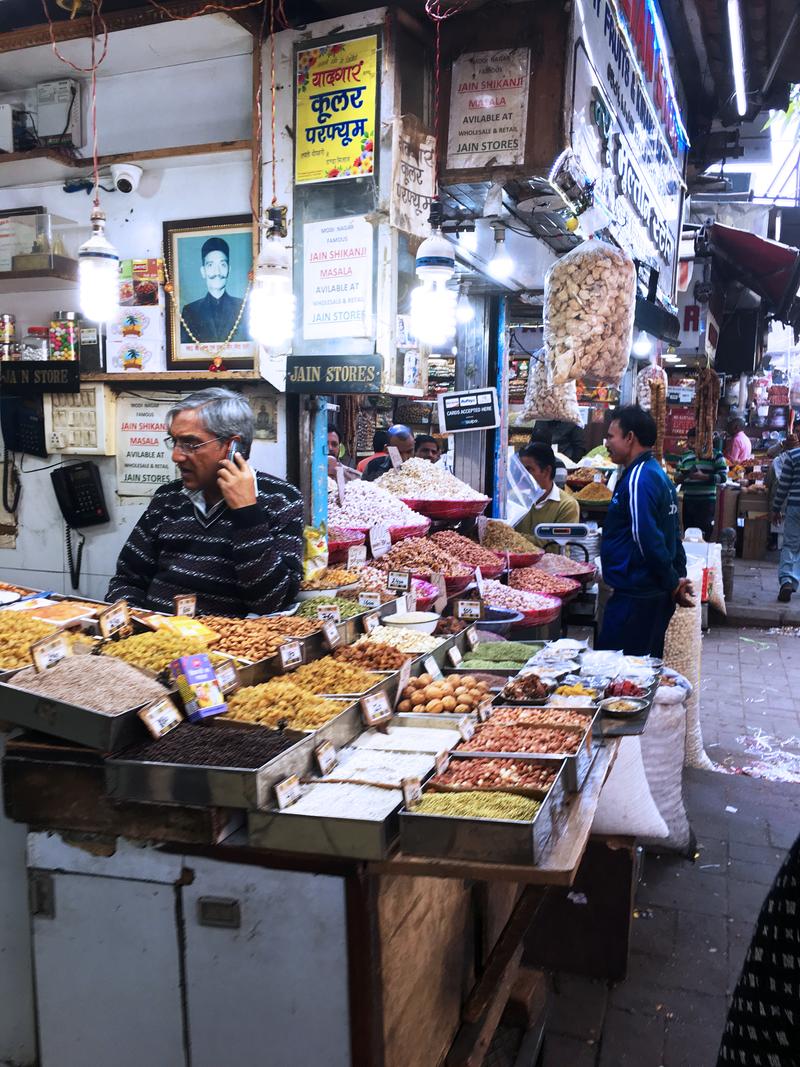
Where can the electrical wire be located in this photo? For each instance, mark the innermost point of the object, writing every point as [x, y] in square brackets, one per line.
[211, 8]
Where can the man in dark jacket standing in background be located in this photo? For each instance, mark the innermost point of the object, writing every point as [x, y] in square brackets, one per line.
[642, 553]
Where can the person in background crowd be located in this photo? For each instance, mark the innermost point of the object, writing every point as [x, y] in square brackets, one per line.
[554, 505]
[700, 479]
[738, 447]
[225, 532]
[778, 455]
[567, 437]
[334, 454]
[426, 447]
[403, 440]
[642, 552]
[380, 440]
[787, 495]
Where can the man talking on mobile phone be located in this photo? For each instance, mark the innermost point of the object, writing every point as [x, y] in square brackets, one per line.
[224, 532]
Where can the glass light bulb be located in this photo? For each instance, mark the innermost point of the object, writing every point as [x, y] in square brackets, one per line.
[98, 274]
[465, 312]
[642, 346]
[433, 312]
[501, 265]
[272, 302]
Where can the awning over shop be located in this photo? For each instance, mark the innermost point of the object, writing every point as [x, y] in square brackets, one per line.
[770, 269]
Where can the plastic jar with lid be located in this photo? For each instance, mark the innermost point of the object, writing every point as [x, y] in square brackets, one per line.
[63, 335]
[35, 345]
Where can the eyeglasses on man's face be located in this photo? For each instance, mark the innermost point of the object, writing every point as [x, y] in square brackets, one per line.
[187, 445]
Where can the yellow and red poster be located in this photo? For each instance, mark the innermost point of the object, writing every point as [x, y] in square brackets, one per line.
[336, 102]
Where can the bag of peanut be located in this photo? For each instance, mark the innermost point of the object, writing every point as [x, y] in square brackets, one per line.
[651, 373]
[589, 303]
[544, 400]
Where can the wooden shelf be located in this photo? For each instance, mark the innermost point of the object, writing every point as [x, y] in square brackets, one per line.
[48, 165]
[33, 281]
[177, 376]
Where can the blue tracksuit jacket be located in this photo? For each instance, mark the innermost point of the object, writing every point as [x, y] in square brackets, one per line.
[642, 552]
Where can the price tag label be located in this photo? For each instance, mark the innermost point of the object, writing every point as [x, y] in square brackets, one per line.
[454, 655]
[398, 581]
[411, 601]
[117, 617]
[291, 654]
[160, 717]
[326, 756]
[403, 678]
[757, 470]
[331, 613]
[394, 456]
[442, 762]
[432, 668]
[48, 651]
[371, 622]
[481, 524]
[227, 676]
[356, 557]
[330, 635]
[340, 484]
[466, 727]
[380, 541]
[288, 791]
[186, 604]
[412, 791]
[469, 609]
[375, 709]
[484, 712]
[471, 635]
[441, 600]
[598, 477]
[479, 582]
[369, 600]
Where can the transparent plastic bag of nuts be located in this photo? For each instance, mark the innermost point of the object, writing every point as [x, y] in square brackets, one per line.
[589, 302]
[651, 373]
[544, 400]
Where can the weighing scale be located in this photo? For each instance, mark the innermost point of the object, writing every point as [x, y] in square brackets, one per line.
[579, 541]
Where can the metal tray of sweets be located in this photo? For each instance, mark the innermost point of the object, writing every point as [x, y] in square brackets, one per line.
[207, 786]
[591, 714]
[488, 840]
[633, 726]
[576, 765]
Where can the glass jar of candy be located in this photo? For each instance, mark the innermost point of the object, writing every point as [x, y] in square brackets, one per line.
[63, 335]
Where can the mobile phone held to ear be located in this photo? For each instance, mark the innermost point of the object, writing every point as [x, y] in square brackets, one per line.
[233, 448]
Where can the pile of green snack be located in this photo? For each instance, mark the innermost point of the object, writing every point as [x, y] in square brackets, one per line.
[478, 805]
[498, 655]
[347, 608]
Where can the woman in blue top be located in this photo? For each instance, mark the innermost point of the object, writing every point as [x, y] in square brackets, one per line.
[642, 552]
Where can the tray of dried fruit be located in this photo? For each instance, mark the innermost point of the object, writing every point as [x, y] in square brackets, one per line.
[202, 767]
[351, 812]
[527, 688]
[491, 809]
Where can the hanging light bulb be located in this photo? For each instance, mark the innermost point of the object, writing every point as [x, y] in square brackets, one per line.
[433, 304]
[642, 346]
[501, 265]
[465, 312]
[98, 272]
[271, 304]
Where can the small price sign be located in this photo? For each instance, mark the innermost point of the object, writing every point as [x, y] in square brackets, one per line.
[288, 791]
[441, 600]
[186, 604]
[484, 712]
[442, 762]
[469, 609]
[479, 582]
[432, 668]
[411, 601]
[403, 678]
[380, 541]
[340, 484]
[394, 456]
[326, 756]
[471, 636]
[48, 651]
[227, 676]
[455, 657]
[375, 709]
[330, 613]
[356, 557]
[160, 717]
[117, 617]
[466, 727]
[371, 622]
[291, 655]
[398, 581]
[330, 635]
[369, 600]
[412, 791]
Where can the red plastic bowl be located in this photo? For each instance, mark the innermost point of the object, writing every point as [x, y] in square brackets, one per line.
[454, 584]
[337, 550]
[586, 574]
[493, 572]
[399, 533]
[520, 559]
[448, 509]
[540, 616]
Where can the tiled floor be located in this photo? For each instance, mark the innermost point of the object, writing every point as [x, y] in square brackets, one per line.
[755, 591]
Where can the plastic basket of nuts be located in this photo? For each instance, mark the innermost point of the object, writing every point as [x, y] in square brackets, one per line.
[520, 559]
[339, 541]
[398, 533]
[448, 509]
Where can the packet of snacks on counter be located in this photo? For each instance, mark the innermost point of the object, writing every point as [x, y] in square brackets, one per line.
[180, 626]
[315, 551]
[198, 686]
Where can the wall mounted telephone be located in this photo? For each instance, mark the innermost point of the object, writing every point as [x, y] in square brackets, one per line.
[79, 492]
[22, 421]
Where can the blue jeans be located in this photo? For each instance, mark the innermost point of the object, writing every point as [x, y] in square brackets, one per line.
[636, 625]
[789, 567]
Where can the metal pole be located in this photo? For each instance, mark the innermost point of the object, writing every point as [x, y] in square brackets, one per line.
[319, 461]
[501, 437]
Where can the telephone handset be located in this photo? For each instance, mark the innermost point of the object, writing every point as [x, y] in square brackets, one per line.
[79, 492]
[233, 448]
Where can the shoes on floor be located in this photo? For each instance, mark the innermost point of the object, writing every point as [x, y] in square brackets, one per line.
[785, 595]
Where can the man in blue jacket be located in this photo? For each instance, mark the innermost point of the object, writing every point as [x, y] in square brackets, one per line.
[642, 552]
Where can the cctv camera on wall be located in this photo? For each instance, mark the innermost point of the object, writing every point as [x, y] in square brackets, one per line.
[126, 177]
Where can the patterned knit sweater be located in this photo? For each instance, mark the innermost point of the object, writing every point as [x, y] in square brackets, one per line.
[237, 561]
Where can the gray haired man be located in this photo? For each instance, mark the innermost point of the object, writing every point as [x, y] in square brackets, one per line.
[230, 535]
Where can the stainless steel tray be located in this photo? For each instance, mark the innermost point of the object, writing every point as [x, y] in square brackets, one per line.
[487, 840]
[361, 839]
[206, 786]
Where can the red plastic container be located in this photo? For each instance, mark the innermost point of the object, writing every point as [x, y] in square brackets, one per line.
[453, 510]
[520, 559]
[454, 584]
[399, 533]
[337, 550]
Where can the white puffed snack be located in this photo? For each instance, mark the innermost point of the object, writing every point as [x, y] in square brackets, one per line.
[589, 301]
[367, 505]
[419, 479]
[544, 400]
